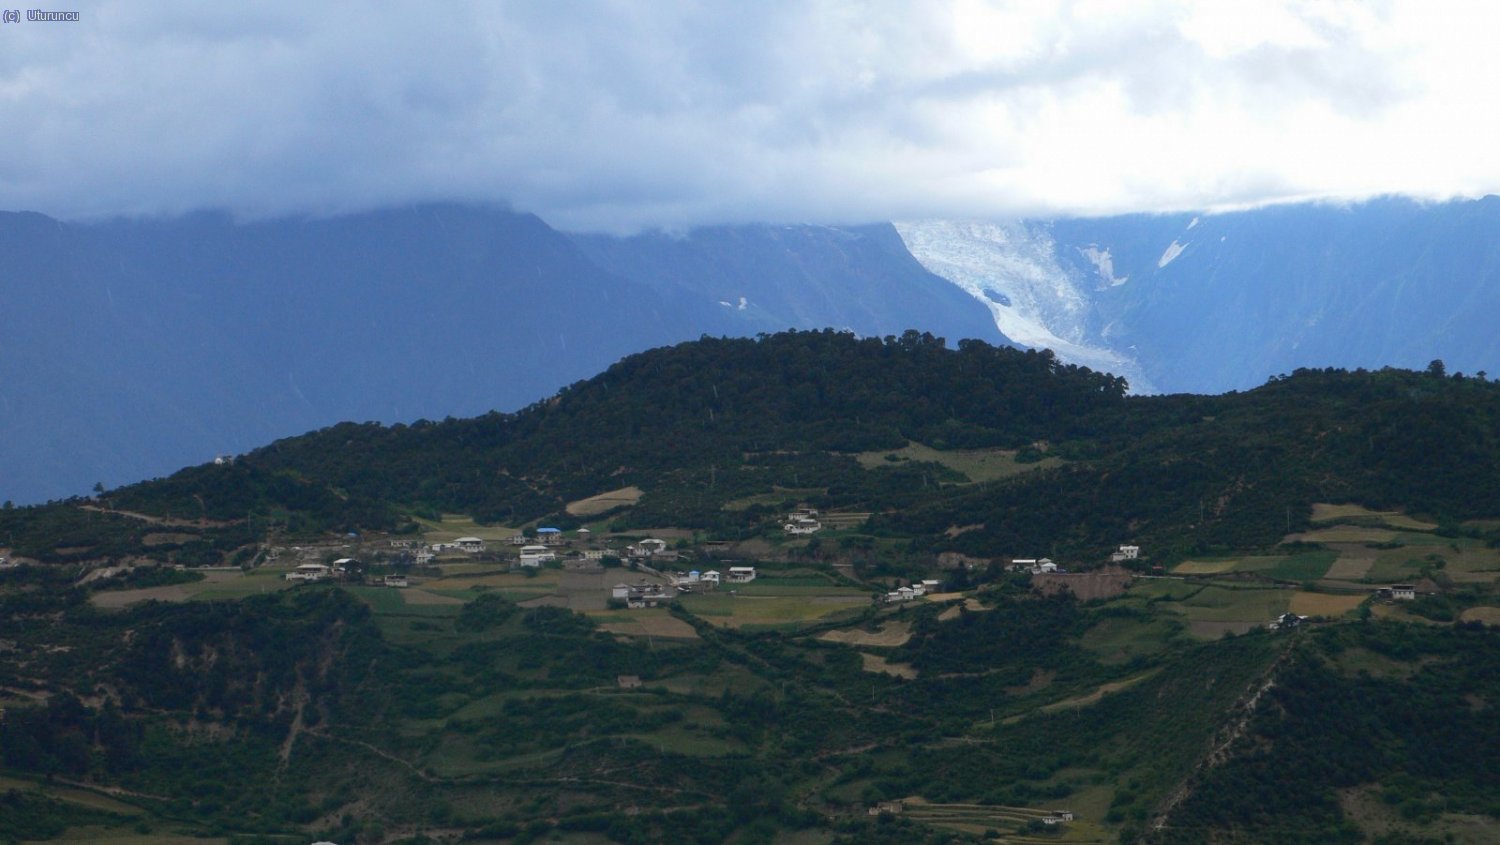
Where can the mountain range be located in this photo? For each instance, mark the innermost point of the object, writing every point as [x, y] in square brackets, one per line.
[129, 348]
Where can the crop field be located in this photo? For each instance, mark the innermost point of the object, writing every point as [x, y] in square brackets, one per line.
[595, 505]
[975, 464]
[789, 609]
[1324, 604]
[1305, 566]
[452, 526]
[1487, 615]
[1210, 611]
[1216, 566]
[1323, 512]
[1344, 534]
[216, 585]
[648, 622]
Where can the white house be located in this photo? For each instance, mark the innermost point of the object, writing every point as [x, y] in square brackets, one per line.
[549, 536]
[308, 572]
[647, 547]
[901, 594]
[424, 557]
[1403, 592]
[472, 545]
[802, 525]
[534, 556]
[740, 575]
[620, 591]
[931, 586]
[1126, 553]
[395, 580]
[711, 576]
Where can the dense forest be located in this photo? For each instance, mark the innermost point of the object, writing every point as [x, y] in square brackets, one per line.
[702, 424]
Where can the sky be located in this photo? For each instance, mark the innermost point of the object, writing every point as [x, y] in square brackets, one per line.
[623, 116]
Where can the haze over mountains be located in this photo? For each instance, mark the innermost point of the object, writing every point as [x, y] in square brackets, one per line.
[131, 348]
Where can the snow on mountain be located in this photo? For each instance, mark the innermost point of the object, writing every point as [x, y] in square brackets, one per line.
[1035, 300]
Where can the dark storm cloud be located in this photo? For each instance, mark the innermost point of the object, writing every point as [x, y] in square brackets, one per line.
[623, 115]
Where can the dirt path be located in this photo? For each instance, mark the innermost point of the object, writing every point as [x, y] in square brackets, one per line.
[159, 520]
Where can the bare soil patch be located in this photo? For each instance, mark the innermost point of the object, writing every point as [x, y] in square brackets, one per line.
[1350, 568]
[595, 505]
[1487, 615]
[1103, 583]
[1324, 604]
[876, 663]
[970, 605]
[1098, 693]
[890, 636]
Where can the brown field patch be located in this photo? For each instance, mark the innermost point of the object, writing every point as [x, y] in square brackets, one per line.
[889, 635]
[1487, 615]
[594, 505]
[415, 596]
[971, 605]
[1324, 604]
[1350, 568]
[1103, 583]
[876, 663]
[116, 599]
[162, 538]
[652, 624]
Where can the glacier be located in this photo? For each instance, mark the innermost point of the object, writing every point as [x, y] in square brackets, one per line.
[1036, 301]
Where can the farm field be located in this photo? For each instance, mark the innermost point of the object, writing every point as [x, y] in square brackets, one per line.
[1324, 512]
[1304, 566]
[452, 526]
[1210, 611]
[216, 585]
[975, 464]
[1324, 604]
[770, 607]
[595, 505]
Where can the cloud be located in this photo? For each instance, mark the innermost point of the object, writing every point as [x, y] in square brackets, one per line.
[622, 115]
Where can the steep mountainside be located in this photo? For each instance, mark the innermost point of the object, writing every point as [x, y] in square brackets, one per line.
[1210, 303]
[773, 278]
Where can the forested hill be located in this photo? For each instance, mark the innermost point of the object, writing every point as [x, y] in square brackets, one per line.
[703, 425]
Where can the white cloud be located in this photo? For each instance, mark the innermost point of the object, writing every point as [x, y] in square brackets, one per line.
[620, 115]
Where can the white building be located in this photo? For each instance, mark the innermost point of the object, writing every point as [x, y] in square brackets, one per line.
[740, 575]
[471, 545]
[308, 572]
[534, 556]
[1126, 553]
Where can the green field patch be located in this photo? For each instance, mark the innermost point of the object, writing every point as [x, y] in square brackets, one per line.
[1358, 515]
[778, 497]
[1344, 534]
[1214, 566]
[455, 525]
[1120, 639]
[974, 464]
[1304, 566]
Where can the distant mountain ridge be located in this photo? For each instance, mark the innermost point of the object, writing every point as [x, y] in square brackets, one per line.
[129, 348]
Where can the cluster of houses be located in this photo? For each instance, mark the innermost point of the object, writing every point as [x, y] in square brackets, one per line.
[916, 590]
[804, 521]
[640, 595]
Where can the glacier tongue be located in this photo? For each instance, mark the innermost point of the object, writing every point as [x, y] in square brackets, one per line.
[1013, 269]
